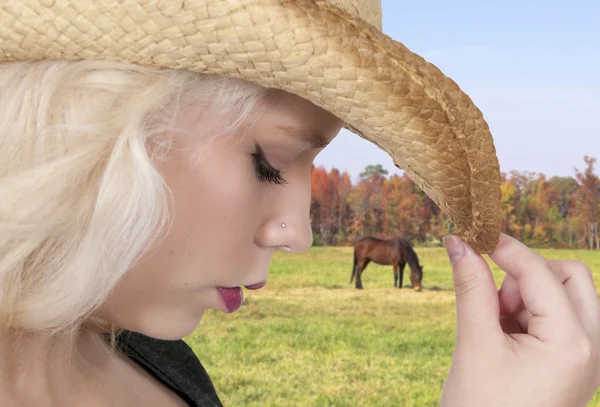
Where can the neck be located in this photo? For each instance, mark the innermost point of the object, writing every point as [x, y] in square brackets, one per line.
[45, 369]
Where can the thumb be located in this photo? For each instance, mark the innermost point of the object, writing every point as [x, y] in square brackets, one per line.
[477, 306]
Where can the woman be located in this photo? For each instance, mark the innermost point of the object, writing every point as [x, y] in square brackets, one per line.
[136, 195]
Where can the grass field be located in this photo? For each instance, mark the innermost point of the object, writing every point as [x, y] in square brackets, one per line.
[310, 339]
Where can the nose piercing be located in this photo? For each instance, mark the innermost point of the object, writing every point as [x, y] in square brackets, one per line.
[283, 225]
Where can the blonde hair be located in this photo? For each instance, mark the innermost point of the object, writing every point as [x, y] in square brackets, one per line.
[80, 197]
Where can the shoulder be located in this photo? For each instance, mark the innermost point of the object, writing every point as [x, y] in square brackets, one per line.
[173, 362]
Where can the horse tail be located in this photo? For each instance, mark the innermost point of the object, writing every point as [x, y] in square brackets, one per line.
[353, 267]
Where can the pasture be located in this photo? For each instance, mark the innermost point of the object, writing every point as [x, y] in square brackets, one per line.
[309, 338]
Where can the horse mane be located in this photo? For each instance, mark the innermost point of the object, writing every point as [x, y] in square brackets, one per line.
[409, 252]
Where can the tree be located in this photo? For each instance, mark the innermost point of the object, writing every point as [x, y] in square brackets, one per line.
[367, 202]
[509, 203]
[562, 193]
[320, 203]
[371, 170]
[589, 197]
[561, 200]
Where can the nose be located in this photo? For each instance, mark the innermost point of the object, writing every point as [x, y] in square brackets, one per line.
[287, 220]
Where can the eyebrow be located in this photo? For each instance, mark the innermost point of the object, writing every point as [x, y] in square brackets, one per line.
[308, 136]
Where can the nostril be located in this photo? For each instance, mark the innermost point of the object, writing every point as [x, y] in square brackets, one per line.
[284, 248]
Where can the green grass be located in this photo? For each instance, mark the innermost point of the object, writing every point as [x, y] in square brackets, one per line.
[310, 339]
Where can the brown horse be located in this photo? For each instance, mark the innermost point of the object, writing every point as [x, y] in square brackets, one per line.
[396, 252]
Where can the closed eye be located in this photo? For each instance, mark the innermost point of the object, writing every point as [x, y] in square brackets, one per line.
[265, 172]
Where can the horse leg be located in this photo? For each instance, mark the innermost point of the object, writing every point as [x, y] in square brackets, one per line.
[353, 268]
[395, 265]
[361, 267]
[359, 285]
[402, 265]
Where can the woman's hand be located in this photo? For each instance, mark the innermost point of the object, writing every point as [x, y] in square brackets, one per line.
[536, 342]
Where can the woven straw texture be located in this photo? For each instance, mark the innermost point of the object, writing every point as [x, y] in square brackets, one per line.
[332, 53]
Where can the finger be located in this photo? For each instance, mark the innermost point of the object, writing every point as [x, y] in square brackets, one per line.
[577, 279]
[542, 292]
[517, 322]
[477, 307]
[510, 325]
[512, 309]
[509, 296]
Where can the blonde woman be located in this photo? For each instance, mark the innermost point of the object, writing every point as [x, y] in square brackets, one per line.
[155, 154]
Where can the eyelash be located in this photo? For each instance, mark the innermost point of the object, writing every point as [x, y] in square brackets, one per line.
[265, 171]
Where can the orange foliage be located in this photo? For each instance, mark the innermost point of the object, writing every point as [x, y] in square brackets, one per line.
[555, 212]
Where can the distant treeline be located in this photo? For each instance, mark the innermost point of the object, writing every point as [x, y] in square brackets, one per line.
[559, 212]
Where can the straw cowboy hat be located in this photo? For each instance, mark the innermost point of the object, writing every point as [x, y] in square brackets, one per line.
[331, 52]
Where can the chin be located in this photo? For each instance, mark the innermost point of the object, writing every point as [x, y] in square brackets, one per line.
[166, 326]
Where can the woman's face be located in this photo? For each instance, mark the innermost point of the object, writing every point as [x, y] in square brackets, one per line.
[236, 200]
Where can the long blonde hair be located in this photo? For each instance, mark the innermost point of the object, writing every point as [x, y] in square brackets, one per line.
[80, 196]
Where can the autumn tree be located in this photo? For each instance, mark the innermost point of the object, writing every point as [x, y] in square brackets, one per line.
[367, 203]
[589, 200]
[562, 202]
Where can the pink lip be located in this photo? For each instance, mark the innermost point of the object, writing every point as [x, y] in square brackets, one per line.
[232, 297]
[256, 286]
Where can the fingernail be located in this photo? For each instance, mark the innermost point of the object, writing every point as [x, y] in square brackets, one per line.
[454, 247]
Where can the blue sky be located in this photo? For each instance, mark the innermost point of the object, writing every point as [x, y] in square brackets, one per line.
[532, 68]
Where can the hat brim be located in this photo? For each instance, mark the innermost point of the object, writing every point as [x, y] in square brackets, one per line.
[380, 89]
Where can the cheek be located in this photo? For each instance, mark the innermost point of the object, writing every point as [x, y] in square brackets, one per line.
[217, 206]
[215, 195]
